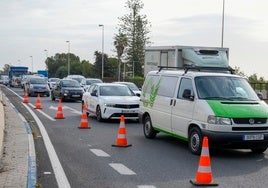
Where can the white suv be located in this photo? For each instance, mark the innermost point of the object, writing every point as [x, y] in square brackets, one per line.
[110, 101]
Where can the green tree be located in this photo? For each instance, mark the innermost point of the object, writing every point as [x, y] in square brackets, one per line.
[136, 28]
[6, 68]
[61, 72]
[120, 42]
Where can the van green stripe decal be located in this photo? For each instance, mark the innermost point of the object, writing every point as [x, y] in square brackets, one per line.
[238, 109]
[171, 134]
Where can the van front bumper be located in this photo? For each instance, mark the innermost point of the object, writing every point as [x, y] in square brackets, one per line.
[236, 139]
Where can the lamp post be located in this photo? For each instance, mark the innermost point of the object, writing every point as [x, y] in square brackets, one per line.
[46, 57]
[222, 27]
[32, 63]
[102, 46]
[68, 57]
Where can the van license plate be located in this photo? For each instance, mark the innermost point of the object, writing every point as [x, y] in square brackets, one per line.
[253, 137]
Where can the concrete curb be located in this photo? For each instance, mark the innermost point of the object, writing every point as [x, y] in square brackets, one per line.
[19, 159]
[2, 123]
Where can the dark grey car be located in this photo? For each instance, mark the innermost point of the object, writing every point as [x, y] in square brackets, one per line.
[36, 85]
[67, 89]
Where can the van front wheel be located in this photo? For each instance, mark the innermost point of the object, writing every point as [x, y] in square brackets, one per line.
[148, 129]
[195, 140]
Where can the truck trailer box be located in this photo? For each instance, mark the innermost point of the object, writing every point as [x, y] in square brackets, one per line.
[180, 56]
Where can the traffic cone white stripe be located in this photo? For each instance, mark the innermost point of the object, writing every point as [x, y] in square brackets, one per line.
[205, 152]
[204, 169]
[121, 136]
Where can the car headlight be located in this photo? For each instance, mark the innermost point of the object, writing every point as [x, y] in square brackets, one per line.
[109, 105]
[31, 86]
[66, 91]
[219, 120]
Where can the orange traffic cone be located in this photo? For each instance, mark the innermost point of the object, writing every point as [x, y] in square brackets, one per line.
[38, 102]
[121, 140]
[25, 98]
[84, 121]
[204, 174]
[59, 114]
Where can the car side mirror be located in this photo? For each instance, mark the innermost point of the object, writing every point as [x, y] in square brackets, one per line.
[187, 94]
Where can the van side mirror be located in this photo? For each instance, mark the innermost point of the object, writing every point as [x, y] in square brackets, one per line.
[187, 95]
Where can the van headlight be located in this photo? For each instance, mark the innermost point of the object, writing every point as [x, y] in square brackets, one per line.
[219, 120]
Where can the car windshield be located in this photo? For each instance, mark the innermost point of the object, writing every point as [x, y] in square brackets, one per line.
[115, 91]
[132, 86]
[224, 88]
[89, 82]
[78, 79]
[37, 81]
[53, 79]
[70, 83]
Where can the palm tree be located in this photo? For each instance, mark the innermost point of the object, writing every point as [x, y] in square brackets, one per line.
[120, 42]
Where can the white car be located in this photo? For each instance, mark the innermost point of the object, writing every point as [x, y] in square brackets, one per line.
[110, 101]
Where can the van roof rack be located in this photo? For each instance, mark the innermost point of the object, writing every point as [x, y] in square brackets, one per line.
[198, 68]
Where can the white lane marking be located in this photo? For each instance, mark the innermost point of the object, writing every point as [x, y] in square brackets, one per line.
[122, 169]
[55, 162]
[44, 114]
[146, 186]
[99, 153]
[73, 110]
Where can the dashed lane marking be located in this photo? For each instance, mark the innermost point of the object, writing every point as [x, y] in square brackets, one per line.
[99, 153]
[44, 114]
[146, 186]
[122, 169]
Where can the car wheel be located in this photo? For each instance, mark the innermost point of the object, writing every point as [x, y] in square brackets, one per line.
[258, 150]
[82, 108]
[98, 114]
[61, 98]
[52, 96]
[195, 140]
[148, 130]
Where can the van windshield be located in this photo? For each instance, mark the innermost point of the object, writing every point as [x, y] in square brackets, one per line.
[224, 88]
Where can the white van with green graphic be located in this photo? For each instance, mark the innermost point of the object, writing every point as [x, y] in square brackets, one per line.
[197, 102]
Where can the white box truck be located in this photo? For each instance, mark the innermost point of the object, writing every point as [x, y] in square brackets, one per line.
[180, 56]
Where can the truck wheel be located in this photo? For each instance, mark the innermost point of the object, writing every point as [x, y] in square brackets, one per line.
[258, 150]
[195, 140]
[148, 129]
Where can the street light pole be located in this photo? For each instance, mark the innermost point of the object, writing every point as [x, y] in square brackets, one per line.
[102, 55]
[46, 57]
[222, 27]
[68, 57]
[32, 62]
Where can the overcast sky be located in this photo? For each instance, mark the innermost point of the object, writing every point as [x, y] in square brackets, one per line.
[28, 27]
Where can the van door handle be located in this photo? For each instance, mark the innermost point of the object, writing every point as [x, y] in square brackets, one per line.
[171, 101]
[174, 102]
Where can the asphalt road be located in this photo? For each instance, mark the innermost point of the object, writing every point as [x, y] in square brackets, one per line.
[89, 160]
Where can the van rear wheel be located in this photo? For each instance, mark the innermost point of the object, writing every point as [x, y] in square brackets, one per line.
[195, 140]
[148, 129]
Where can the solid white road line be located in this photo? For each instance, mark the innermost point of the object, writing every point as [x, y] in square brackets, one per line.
[122, 169]
[99, 153]
[55, 162]
[146, 186]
